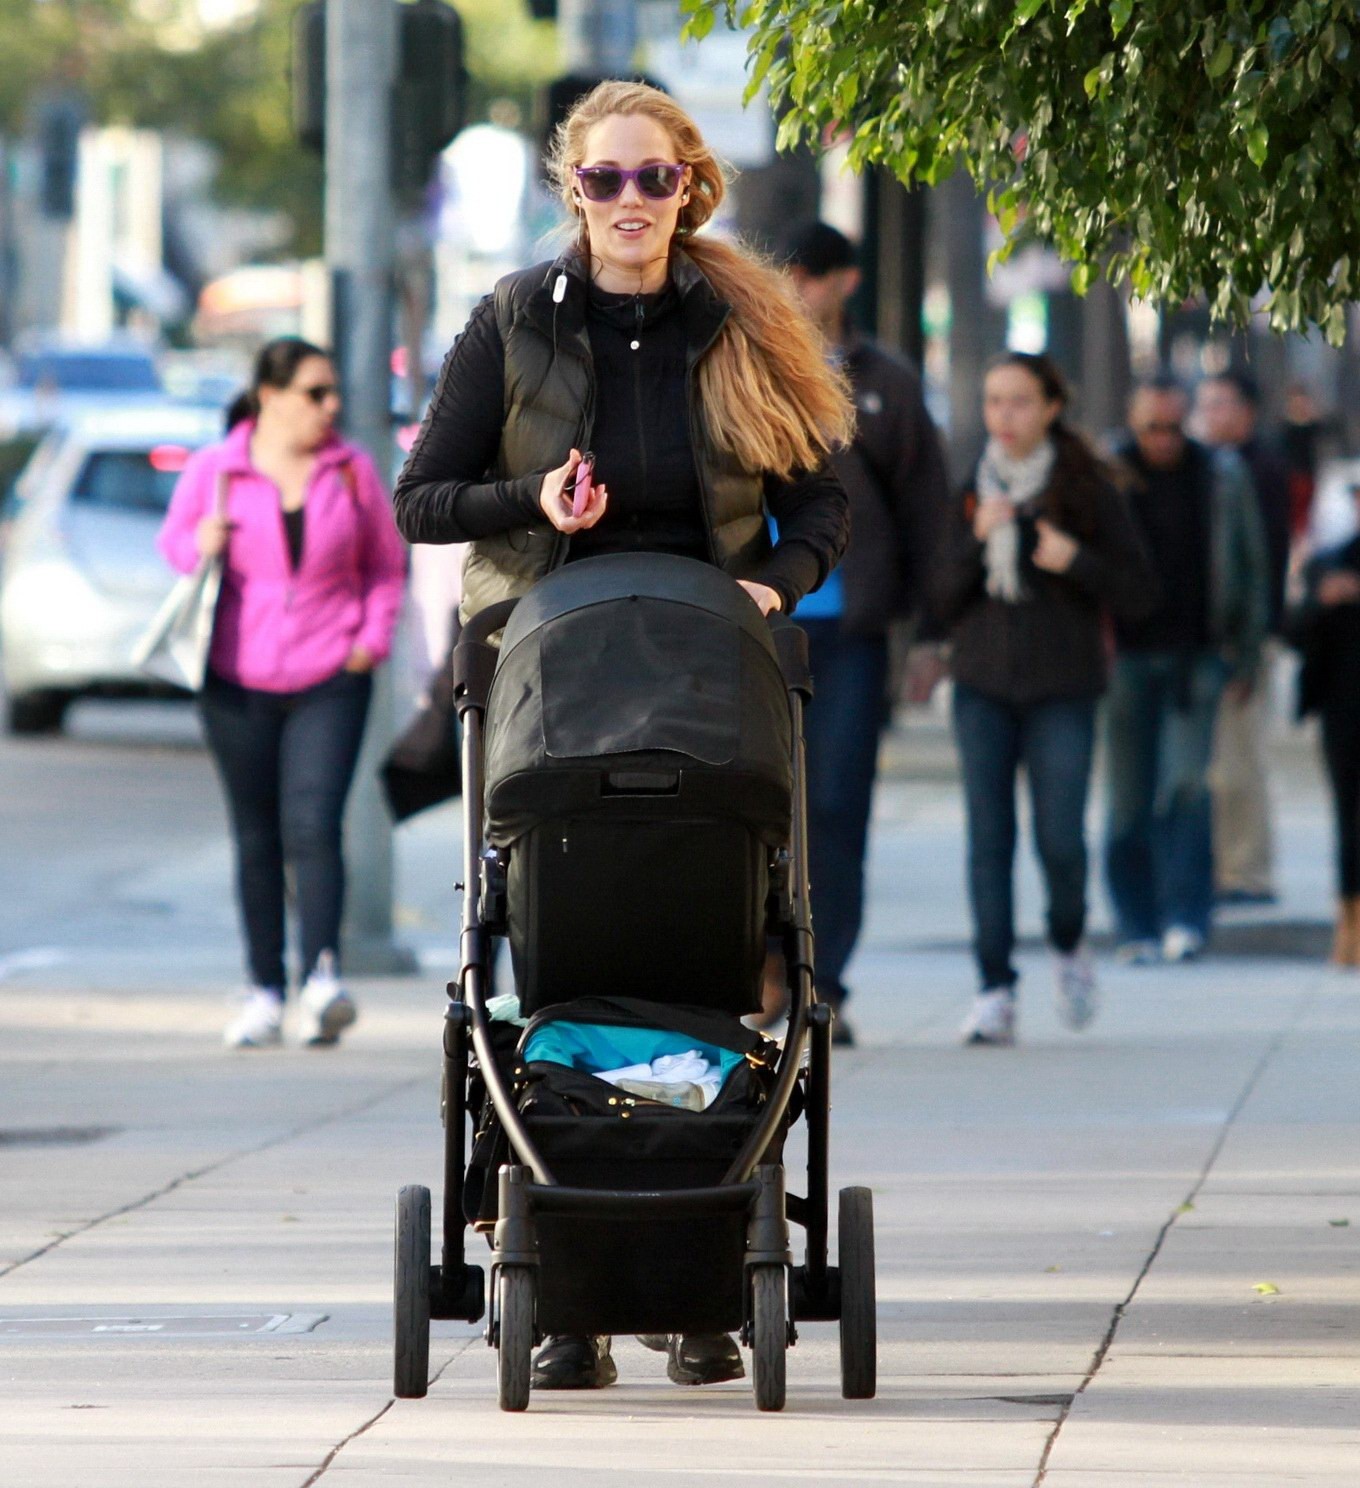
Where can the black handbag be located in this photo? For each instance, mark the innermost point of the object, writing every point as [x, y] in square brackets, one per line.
[424, 766]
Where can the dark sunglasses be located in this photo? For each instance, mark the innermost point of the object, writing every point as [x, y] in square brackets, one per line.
[319, 392]
[1167, 429]
[603, 183]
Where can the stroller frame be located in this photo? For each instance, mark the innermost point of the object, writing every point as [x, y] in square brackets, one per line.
[778, 1294]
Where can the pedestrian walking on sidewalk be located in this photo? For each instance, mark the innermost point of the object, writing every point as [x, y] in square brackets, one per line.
[894, 475]
[1326, 629]
[1197, 514]
[1227, 408]
[1040, 545]
[311, 590]
[687, 367]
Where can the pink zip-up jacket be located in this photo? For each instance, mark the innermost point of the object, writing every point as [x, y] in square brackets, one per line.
[279, 629]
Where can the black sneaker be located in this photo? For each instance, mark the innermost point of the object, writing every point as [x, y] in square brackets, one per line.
[842, 1033]
[702, 1358]
[574, 1364]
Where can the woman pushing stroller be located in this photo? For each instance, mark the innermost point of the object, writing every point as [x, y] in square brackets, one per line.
[685, 367]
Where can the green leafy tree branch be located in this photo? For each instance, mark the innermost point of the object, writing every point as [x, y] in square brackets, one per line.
[1193, 148]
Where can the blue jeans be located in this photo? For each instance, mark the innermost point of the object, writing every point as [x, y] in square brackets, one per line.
[1159, 837]
[286, 761]
[1054, 741]
[842, 728]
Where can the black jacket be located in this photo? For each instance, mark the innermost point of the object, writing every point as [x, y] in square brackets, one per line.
[1051, 645]
[518, 391]
[1328, 639]
[894, 475]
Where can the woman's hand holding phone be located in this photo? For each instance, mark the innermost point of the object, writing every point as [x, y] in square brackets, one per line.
[569, 498]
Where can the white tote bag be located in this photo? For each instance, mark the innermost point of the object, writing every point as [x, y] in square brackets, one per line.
[174, 647]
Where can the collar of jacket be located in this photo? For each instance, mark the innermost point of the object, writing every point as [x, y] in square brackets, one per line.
[704, 313]
[1136, 475]
[236, 451]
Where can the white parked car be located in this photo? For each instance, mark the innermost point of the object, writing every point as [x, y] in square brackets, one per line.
[52, 381]
[82, 578]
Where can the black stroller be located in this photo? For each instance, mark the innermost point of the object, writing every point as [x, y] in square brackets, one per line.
[633, 772]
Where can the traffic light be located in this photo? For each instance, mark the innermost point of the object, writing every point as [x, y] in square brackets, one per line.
[309, 74]
[59, 142]
[431, 101]
[429, 97]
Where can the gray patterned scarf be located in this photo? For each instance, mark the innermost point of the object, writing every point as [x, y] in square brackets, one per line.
[1017, 481]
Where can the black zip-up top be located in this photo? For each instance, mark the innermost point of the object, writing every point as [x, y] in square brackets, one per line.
[641, 438]
[522, 386]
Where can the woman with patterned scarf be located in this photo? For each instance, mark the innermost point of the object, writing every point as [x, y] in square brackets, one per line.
[1039, 547]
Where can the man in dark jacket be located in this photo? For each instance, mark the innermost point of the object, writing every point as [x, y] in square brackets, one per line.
[1196, 513]
[894, 475]
[1227, 406]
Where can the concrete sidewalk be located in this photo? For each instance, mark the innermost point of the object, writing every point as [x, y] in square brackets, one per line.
[1126, 1258]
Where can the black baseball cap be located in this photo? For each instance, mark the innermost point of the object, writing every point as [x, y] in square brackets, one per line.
[817, 248]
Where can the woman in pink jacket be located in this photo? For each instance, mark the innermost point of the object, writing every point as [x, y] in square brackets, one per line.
[311, 589]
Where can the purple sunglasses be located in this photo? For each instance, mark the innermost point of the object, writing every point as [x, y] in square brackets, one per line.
[603, 183]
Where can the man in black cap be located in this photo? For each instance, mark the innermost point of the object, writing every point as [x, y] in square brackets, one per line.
[895, 476]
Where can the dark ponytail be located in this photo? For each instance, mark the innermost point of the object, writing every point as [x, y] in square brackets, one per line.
[276, 365]
[1078, 471]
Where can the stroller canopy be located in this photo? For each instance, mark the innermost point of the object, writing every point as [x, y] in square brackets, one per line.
[638, 675]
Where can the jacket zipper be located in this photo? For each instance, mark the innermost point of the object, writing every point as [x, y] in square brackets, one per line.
[637, 389]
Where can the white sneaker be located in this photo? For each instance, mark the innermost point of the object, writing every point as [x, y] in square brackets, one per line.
[1075, 985]
[325, 1009]
[992, 1019]
[259, 1024]
[1180, 943]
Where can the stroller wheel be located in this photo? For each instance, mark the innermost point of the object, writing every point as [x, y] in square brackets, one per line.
[859, 1321]
[515, 1340]
[769, 1335]
[411, 1294]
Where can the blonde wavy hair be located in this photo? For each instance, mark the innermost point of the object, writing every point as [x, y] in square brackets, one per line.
[771, 400]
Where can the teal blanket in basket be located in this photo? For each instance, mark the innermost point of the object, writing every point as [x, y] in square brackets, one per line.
[592, 1047]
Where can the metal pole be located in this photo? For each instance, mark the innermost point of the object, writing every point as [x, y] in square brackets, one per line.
[361, 62]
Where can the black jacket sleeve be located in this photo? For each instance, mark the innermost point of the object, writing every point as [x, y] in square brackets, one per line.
[443, 494]
[921, 481]
[813, 514]
[956, 577]
[1113, 567]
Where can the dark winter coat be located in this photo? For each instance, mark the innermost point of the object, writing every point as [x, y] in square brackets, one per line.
[517, 393]
[1328, 638]
[1051, 645]
[1238, 555]
[894, 475]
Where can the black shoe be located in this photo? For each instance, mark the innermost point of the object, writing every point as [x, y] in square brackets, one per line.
[574, 1364]
[702, 1359]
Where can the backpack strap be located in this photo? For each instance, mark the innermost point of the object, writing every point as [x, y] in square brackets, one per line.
[351, 479]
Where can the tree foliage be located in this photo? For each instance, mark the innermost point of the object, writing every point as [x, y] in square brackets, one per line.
[1195, 148]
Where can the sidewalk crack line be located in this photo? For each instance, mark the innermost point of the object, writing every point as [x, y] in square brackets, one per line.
[375, 1418]
[314, 1124]
[1122, 1308]
[340, 1446]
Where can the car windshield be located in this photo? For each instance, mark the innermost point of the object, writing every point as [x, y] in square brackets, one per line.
[89, 372]
[127, 480]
